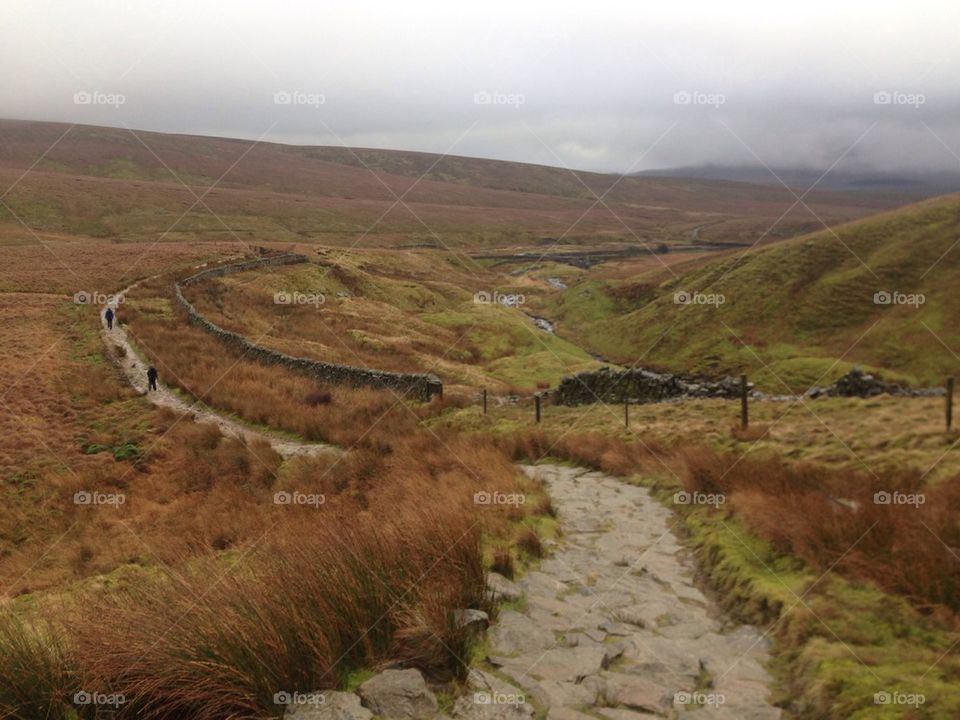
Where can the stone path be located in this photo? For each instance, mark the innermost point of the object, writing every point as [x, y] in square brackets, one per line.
[613, 625]
[123, 354]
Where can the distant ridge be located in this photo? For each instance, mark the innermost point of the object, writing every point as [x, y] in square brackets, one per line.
[916, 184]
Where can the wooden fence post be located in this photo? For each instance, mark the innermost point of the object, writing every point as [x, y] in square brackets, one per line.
[626, 411]
[949, 407]
[744, 409]
[537, 402]
[484, 401]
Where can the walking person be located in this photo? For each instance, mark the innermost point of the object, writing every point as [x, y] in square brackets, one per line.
[108, 316]
[151, 379]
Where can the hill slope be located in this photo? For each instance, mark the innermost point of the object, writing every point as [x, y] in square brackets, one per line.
[108, 182]
[792, 309]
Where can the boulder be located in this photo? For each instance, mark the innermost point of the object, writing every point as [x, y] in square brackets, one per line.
[502, 589]
[334, 706]
[472, 619]
[399, 694]
[491, 699]
[515, 633]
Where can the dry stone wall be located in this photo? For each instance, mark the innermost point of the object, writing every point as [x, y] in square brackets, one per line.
[611, 385]
[417, 385]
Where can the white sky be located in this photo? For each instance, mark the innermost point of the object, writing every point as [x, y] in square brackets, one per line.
[592, 85]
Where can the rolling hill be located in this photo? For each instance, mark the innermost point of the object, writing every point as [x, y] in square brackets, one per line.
[132, 185]
[795, 313]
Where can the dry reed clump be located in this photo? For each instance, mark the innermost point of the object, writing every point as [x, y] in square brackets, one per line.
[298, 614]
[368, 578]
[888, 529]
[259, 597]
[591, 449]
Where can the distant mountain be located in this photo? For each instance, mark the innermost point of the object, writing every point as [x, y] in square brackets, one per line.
[917, 185]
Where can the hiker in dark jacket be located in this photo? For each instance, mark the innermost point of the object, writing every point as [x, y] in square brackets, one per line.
[151, 379]
[108, 316]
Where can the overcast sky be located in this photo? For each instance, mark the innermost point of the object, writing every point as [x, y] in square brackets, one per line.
[594, 85]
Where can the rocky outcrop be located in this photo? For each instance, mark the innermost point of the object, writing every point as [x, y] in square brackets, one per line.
[611, 385]
[420, 386]
[858, 383]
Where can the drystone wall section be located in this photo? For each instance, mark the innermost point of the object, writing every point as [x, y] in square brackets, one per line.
[611, 385]
[420, 386]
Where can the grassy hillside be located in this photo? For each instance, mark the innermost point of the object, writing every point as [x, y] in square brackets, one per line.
[107, 182]
[790, 310]
[402, 311]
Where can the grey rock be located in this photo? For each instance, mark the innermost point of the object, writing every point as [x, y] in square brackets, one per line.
[503, 589]
[398, 694]
[334, 706]
[473, 619]
[515, 633]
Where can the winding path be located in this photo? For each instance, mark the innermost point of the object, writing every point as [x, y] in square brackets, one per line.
[612, 624]
[123, 354]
